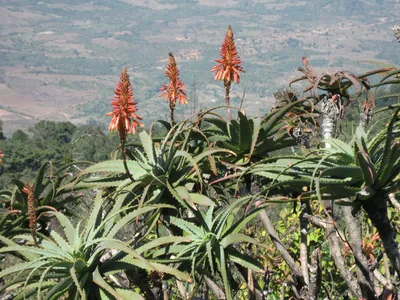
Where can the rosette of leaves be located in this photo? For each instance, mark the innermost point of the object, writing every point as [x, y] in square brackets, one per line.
[164, 171]
[14, 217]
[251, 139]
[215, 244]
[83, 260]
[362, 169]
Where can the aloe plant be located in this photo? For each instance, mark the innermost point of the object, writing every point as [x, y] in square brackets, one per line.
[14, 217]
[251, 139]
[159, 169]
[73, 262]
[213, 246]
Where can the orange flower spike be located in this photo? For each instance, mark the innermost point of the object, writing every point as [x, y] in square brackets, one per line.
[124, 117]
[229, 65]
[175, 90]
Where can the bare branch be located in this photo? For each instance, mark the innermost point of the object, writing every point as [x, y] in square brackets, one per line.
[214, 288]
[394, 202]
[315, 277]
[337, 255]
[303, 243]
[376, 209]
[297, 275]
[362, 270]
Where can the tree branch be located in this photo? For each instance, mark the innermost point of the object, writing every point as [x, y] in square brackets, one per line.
[362, 270]
[336, 253]
[376, 209]
[303, 243]
[297, 275]
[315, 276]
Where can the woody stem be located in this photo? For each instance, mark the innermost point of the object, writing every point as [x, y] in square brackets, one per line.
[123, 150]
[172, 109]
[227, 84]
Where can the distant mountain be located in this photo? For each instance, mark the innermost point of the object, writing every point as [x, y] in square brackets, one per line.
[60, 59]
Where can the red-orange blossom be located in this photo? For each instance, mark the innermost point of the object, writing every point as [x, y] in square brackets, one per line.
[124, 116]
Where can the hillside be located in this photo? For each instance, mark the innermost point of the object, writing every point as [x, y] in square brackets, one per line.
[60, 59]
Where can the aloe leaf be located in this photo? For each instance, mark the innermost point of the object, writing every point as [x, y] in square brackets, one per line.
[31, 289]
[218, 123]
[341, 146]
[256, 131]
[148, 147]
[98, 279]
[244, 260]
[118, 245]
[95, 215]
[367, 168]
[116, 166]
[74, 277]
[388, 142]
[273, 118]
[128, 294]
[342, 171]
[176, 195]
[131, 216]
[392, 164]
[240, 224]
[209, 217]
[224, 273]
[245, 132]
[38, 183]
[234, 238]
[21, 267]
[210, 257]
[42, 277]
[188, 227]
[170, 270]
[172, 249]
[161, 241]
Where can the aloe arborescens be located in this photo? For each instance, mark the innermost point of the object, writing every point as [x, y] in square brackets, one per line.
[175, 90]
[124, 117]
[229, 65]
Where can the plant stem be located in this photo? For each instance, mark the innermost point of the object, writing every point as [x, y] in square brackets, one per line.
[363, 273]
[303, 243]
[171, 112]
[122, 143]
[337, 256]
[227, 84]
[376, 209]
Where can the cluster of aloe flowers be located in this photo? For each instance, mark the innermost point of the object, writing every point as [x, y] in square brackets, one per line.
[125, 119]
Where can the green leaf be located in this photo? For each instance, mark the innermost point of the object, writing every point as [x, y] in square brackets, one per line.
[256, 131]
[234, 238]
[132, 216]
[161, 241]
[188, 227]
[148, 147]
[116, 166]
[98, 279]
[245, 132]
[244, 260]
[224, 273]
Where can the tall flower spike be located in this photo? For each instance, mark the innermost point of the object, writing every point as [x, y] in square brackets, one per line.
[29, 191]
[229, 65]
[124, 117]
[175, 90]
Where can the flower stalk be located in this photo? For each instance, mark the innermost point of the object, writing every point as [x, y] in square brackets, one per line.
[29, 191]
[175, 90]
[229, 66]
[124, 117]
